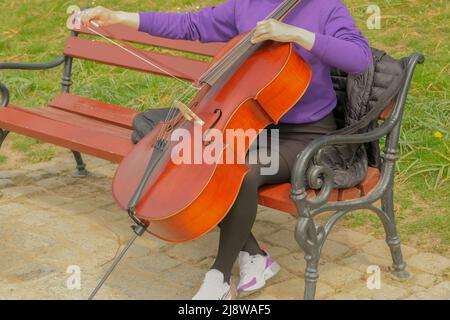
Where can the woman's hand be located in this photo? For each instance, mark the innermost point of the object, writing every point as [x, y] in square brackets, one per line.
[278, 31]
[100, 15]
[105, 17]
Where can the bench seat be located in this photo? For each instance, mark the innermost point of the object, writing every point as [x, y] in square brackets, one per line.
[278, 196]
[69, 130]
[103, 130]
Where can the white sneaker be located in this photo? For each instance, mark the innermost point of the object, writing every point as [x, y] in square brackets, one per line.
[255, 271]
[213, 287]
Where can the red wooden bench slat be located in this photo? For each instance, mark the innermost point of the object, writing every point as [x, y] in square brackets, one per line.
[94, 109]
[387, 112]
[349, 194]
[78, 120]
[370, 182]
[334, 196]
[128, 34]
[278, 196]
[181, 67]
[75, 136]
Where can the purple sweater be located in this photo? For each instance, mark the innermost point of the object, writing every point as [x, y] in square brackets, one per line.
[338, 42]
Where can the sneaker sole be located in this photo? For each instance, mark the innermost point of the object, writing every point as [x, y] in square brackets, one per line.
[269, 273]
[227, 296]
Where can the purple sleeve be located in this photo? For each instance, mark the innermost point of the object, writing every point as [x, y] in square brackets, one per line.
[343, 45]
[211, 24]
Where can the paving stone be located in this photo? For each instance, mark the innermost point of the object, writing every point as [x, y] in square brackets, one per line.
[438, 292]
[78, 223]
[58, 168]
[40, 166]
[77, 191]
[11, 209]
[276, 251]
[339, 276]
[61, 256]
[292, 290]
[154, 263]
[284, 239]
[48, 201]
[11, 174]
[381, 249]
[80, 206]
[334, 250]
[294, 262]
[429, 262]
[107, 170]
[351, 238]
[275, 217]
[361, 261]
[30, 271]
[38, 175]
[6, 183]
[424, 280]
[35, 218]
[13, 261]
[51, 183]
[386, 292]
[55, 287]
[15, 192]
[143, 287]
[27, 241]
[195, 251]
[262, 229]
[185, 275]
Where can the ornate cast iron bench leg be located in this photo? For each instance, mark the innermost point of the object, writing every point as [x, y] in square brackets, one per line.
[66, 82]
[311, 237]
[310, 241]
[4, 102]
[392, 238]
[387, 214]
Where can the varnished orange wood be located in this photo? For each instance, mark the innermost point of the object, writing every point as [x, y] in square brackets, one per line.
[101, 111]
[278, 196]
[91, 137]
[387, 112]
[206, 192]
[349, 194]
[181, 67]
[370, 181]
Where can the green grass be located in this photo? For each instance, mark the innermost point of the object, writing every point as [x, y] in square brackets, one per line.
[34, 31]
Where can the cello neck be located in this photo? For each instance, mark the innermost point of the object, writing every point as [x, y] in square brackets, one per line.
[244, 48]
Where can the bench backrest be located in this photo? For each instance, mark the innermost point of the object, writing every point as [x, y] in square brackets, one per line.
[182, 67]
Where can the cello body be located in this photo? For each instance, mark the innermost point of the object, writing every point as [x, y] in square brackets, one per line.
[182, 202]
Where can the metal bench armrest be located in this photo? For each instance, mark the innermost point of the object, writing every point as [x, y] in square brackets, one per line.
[32, 66]
[320, 176]
[25, 66]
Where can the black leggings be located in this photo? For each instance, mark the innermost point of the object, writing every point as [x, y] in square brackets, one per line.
[235, 229]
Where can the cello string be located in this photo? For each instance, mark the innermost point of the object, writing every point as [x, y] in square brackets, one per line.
[123, 47]
[164, 132]
[244, 44]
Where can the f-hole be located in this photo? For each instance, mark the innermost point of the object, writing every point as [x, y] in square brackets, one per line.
[219, 116]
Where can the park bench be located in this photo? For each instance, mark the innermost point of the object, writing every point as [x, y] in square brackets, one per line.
[103, 130]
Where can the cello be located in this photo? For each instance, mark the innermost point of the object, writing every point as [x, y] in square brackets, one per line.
[247, 87]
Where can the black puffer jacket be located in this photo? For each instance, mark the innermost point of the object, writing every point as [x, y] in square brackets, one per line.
[361, 100]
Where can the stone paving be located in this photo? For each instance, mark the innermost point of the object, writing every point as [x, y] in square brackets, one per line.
[51, 221]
